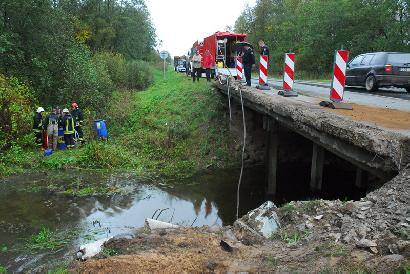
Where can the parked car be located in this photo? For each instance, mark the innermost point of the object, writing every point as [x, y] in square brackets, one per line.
[180, 68]
[379, 69]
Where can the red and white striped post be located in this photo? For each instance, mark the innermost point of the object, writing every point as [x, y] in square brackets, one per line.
[289, 76]
[239, 68]
[263, 73]
[338, 82]
[339, 75]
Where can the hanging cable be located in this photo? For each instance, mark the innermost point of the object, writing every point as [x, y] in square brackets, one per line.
[229, 102]
[243, 154]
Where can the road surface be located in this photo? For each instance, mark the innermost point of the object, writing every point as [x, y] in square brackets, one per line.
[392, 98]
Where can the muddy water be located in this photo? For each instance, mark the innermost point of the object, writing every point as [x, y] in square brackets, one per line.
[33, 201]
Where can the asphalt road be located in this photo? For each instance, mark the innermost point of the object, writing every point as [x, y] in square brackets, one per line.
[392, 98]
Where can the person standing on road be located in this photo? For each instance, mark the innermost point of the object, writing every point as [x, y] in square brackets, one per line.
[187, 66]
[208, 64]
[264, 48]
[68, 125]
[79, 120]
[248, 60]
[264, 51]
[51, 125]
[196, 66]
[38, 126]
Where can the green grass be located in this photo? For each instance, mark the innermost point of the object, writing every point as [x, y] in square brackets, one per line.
[3, 270]
[45, 239]
[175, 128]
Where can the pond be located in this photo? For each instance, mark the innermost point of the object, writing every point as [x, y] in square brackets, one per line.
[79, 207]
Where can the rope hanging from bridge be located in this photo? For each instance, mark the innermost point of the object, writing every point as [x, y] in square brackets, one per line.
[229, 102]
[243, 154]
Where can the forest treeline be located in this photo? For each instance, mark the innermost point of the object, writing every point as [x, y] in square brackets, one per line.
[314, 29]
[56, 51]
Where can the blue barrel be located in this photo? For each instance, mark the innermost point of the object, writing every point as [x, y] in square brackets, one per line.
[61, 142]
[48, 152]
[100, 128]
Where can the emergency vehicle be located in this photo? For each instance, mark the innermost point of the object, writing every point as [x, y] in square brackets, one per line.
[222, 48]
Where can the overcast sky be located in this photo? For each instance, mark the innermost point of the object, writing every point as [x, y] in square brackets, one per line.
[179, 23]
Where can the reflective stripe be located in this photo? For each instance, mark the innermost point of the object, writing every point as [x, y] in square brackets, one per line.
[67, 131]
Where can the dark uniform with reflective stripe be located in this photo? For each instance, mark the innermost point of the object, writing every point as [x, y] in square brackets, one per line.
[68, 126]
[38, 128]
[79, 120]
[248, 60]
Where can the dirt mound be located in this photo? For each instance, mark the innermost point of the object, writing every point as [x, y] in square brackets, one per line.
[370, 235]
[388, 118]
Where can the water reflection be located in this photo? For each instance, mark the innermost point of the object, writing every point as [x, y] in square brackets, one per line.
[204, 200]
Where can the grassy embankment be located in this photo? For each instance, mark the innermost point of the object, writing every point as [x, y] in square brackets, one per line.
[174, 128]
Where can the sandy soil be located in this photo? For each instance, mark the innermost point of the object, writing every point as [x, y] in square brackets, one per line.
[388, 118]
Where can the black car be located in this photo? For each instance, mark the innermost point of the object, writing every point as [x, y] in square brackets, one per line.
[379, 69]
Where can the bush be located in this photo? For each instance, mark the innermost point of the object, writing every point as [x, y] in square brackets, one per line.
[16, 104]
[139, 75]
[85, 80]
[116, 66]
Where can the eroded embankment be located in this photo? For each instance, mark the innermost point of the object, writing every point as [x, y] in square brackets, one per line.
[370, 235]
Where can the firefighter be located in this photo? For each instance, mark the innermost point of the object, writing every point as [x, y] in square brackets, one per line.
[51, 124]
[68, 125]
[38, 126]
[79, 120]
[208, 64]
[248, 60]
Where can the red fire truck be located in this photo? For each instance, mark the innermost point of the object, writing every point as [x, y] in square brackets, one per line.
[221, 46]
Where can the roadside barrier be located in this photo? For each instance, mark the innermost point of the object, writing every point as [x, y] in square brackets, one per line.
[289, 76]
[263, 73]
[339, 75]
[338, 82]
[239, 68]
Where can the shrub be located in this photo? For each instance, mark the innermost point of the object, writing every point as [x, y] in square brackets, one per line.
[16, 104]
[139, 75]
[116, 66]
[85, 80]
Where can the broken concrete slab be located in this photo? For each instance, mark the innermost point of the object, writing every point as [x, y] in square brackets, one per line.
[262, 221]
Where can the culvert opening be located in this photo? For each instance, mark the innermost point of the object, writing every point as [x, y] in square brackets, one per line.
[340, 178]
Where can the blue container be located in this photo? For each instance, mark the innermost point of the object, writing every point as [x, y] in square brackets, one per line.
[100, 128]
[48, 152]
[61, 143]
[61, 146]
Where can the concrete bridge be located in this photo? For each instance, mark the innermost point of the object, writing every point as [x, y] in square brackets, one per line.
[375, 153]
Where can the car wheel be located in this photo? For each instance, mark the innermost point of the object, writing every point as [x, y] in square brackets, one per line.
[371, 83]
[407, 89]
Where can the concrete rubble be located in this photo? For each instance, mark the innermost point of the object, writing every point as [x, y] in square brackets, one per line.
[262, 221]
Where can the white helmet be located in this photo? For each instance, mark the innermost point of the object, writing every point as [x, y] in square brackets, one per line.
[66, 110]
[40, 109]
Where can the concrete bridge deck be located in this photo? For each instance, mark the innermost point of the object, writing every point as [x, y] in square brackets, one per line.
[368, 146]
